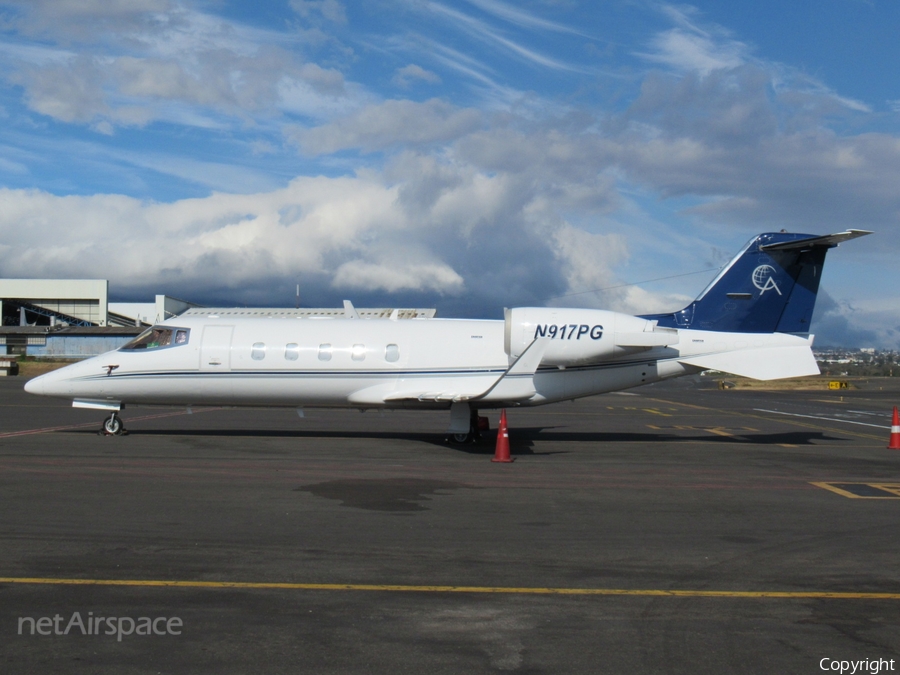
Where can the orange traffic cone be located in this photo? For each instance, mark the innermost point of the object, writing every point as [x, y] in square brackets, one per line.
[501, 454]
[895, 432]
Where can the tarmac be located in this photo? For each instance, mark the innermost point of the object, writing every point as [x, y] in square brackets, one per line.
[676, 528]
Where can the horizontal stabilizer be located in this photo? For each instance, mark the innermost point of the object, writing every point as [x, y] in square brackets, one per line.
[828, 240]
[766, 363]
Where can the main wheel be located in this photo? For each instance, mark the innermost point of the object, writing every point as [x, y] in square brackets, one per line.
[113, 425]
[461, 438]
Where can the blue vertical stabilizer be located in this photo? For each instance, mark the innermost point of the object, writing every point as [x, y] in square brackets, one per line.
[769, 287]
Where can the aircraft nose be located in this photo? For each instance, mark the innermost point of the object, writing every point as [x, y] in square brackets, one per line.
[35, 385]
[48, 384]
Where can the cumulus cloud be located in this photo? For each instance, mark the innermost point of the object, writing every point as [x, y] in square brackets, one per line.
[350, 234]
[393, 277]
[841, 324]
[425, 230]
[227, 241]
[588, 259]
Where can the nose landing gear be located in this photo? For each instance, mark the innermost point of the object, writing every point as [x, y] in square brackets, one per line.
[112, 426]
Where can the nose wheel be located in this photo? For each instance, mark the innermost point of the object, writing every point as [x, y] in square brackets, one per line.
[113, 426]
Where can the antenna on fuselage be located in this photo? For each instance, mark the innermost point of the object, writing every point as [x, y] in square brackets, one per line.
[350, 311]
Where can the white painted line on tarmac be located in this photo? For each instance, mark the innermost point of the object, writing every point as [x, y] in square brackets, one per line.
[824, 419]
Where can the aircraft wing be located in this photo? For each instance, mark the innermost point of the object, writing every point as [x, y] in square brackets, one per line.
[516, 384]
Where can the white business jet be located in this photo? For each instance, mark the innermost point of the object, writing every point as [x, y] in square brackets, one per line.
[752, 321]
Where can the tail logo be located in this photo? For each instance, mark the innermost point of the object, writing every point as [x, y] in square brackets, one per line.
[764, 279]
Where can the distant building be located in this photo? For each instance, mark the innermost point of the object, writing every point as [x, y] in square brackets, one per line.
[80, 302]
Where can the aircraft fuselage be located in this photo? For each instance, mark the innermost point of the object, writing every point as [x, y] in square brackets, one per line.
[375, 363]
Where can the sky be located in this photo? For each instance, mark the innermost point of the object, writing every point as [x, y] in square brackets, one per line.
[467, 155]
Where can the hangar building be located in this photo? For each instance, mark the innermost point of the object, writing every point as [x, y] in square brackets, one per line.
[72, 318]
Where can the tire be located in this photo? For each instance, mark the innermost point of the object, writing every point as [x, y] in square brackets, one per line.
[112, 425]
[460, 438]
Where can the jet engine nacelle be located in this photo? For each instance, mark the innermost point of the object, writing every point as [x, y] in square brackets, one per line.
[581, 335]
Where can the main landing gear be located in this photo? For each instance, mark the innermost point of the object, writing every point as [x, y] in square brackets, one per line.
[477, 424]
[113, 426]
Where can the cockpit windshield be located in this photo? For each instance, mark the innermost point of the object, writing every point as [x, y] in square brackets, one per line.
[158, 337]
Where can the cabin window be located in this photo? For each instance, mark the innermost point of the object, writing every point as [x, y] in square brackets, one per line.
[258, 351]
[392, 353]
[325, 352]
[158, 337]
[292, 351]
[358, 353]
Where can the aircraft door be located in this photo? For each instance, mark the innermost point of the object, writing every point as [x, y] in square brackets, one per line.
[215, 349]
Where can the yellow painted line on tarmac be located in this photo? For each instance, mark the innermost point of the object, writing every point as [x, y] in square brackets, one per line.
[793, 422]
[399, 588]
[836, 490]
[892, 490]
[657, 412]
